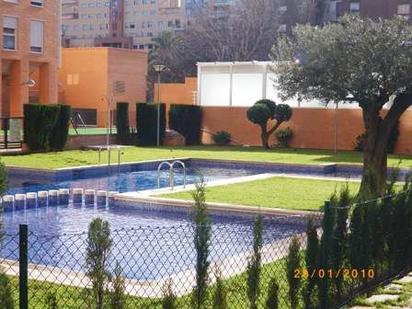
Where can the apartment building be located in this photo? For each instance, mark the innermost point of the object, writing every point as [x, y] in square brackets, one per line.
[28, 61]
[334, 9]
[120, 23]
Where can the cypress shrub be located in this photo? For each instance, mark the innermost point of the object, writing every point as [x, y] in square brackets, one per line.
[122, 123]
[117, 299]
[202, 238]
[311, 260]
[187, 120]
[326, 243]
[272, 302]
[146, 117]
[169, 298]
[254, 267]
[60, 133]
[293, 264]
[220, 297]
[39, 122]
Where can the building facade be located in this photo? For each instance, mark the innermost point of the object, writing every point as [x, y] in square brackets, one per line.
[120, 23]
[28, 61]
[93, 79]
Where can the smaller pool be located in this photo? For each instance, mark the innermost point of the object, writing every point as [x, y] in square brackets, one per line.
[136, 181]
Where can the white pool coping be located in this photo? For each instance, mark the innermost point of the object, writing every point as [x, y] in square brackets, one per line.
[182, 282]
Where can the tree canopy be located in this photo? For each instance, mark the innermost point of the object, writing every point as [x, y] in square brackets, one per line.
[355, 60]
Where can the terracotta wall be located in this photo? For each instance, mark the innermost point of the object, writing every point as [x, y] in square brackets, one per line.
[312, 127]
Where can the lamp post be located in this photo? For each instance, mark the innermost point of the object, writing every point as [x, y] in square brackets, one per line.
[159, 68]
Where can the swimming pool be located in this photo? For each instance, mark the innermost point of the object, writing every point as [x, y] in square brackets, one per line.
[133, 181]
[148, 243]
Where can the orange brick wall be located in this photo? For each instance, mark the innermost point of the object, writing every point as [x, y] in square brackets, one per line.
[97, 69]
[313, 128]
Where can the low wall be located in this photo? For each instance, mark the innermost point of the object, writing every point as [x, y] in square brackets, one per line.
[313, 128]
[78, 141]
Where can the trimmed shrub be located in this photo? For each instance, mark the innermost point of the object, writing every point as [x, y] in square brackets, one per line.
[39, 122]
[220, 297]
[146, 118]
[60, 133]
[222, 138]
[122, 123]
[117, 297]
[284, 136]
[187, 120]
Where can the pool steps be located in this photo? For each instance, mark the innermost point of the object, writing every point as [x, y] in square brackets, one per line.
[61, 197]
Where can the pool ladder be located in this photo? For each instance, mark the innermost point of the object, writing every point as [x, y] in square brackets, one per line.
[171, 173]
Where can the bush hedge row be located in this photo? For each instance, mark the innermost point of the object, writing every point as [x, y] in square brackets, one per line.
[146, 123]
[46, 127]
[187, 120]
[122, 123]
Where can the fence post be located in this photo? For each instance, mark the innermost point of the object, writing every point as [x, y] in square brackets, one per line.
[23, 267]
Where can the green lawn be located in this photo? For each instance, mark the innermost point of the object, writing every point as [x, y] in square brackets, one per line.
[279, 192]
[132, 154]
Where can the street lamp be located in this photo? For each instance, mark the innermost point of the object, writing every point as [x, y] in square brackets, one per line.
[159, 68]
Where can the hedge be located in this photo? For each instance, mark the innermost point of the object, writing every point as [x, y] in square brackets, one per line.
[122, 123]
[187, 120]
[39, 122]
[60, 133]
[146, 123]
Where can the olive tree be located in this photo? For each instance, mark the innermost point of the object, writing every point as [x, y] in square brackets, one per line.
[265, 111]
[356, 60]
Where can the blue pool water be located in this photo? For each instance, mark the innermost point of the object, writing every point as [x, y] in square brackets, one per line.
[148, 243]
[134, 181]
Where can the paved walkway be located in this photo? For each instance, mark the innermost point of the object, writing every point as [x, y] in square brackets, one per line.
[396, 295]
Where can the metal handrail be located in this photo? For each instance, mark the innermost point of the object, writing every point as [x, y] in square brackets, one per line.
[171, 173]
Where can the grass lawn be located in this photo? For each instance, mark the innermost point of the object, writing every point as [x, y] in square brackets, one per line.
[279, 192]
[131, 154]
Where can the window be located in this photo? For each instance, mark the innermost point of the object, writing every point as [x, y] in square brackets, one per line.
[9, 33]
[36, 2]
[36, 36]
[354, 6]
[404, 10]
[11, 1]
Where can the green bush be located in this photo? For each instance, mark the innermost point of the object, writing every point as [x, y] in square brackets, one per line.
[222, 138]
[60, 132]
[39, 122]
[284, 136]
[122, 123]
[187, 120]
[272, 301]
[293, 264]
[146, 118]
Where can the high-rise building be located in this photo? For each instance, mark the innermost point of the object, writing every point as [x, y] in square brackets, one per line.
[29, 53]
[120, 23]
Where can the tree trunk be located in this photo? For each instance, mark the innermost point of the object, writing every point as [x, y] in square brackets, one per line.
[374, 155]
[265, 139]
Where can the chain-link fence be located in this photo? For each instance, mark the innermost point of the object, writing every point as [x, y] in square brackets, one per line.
[152, 260]
[145, 267]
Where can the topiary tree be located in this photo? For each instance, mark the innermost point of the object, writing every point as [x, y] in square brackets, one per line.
[356, 60]
[263, 112]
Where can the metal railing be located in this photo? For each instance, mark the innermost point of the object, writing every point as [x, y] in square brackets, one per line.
[171, 172]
